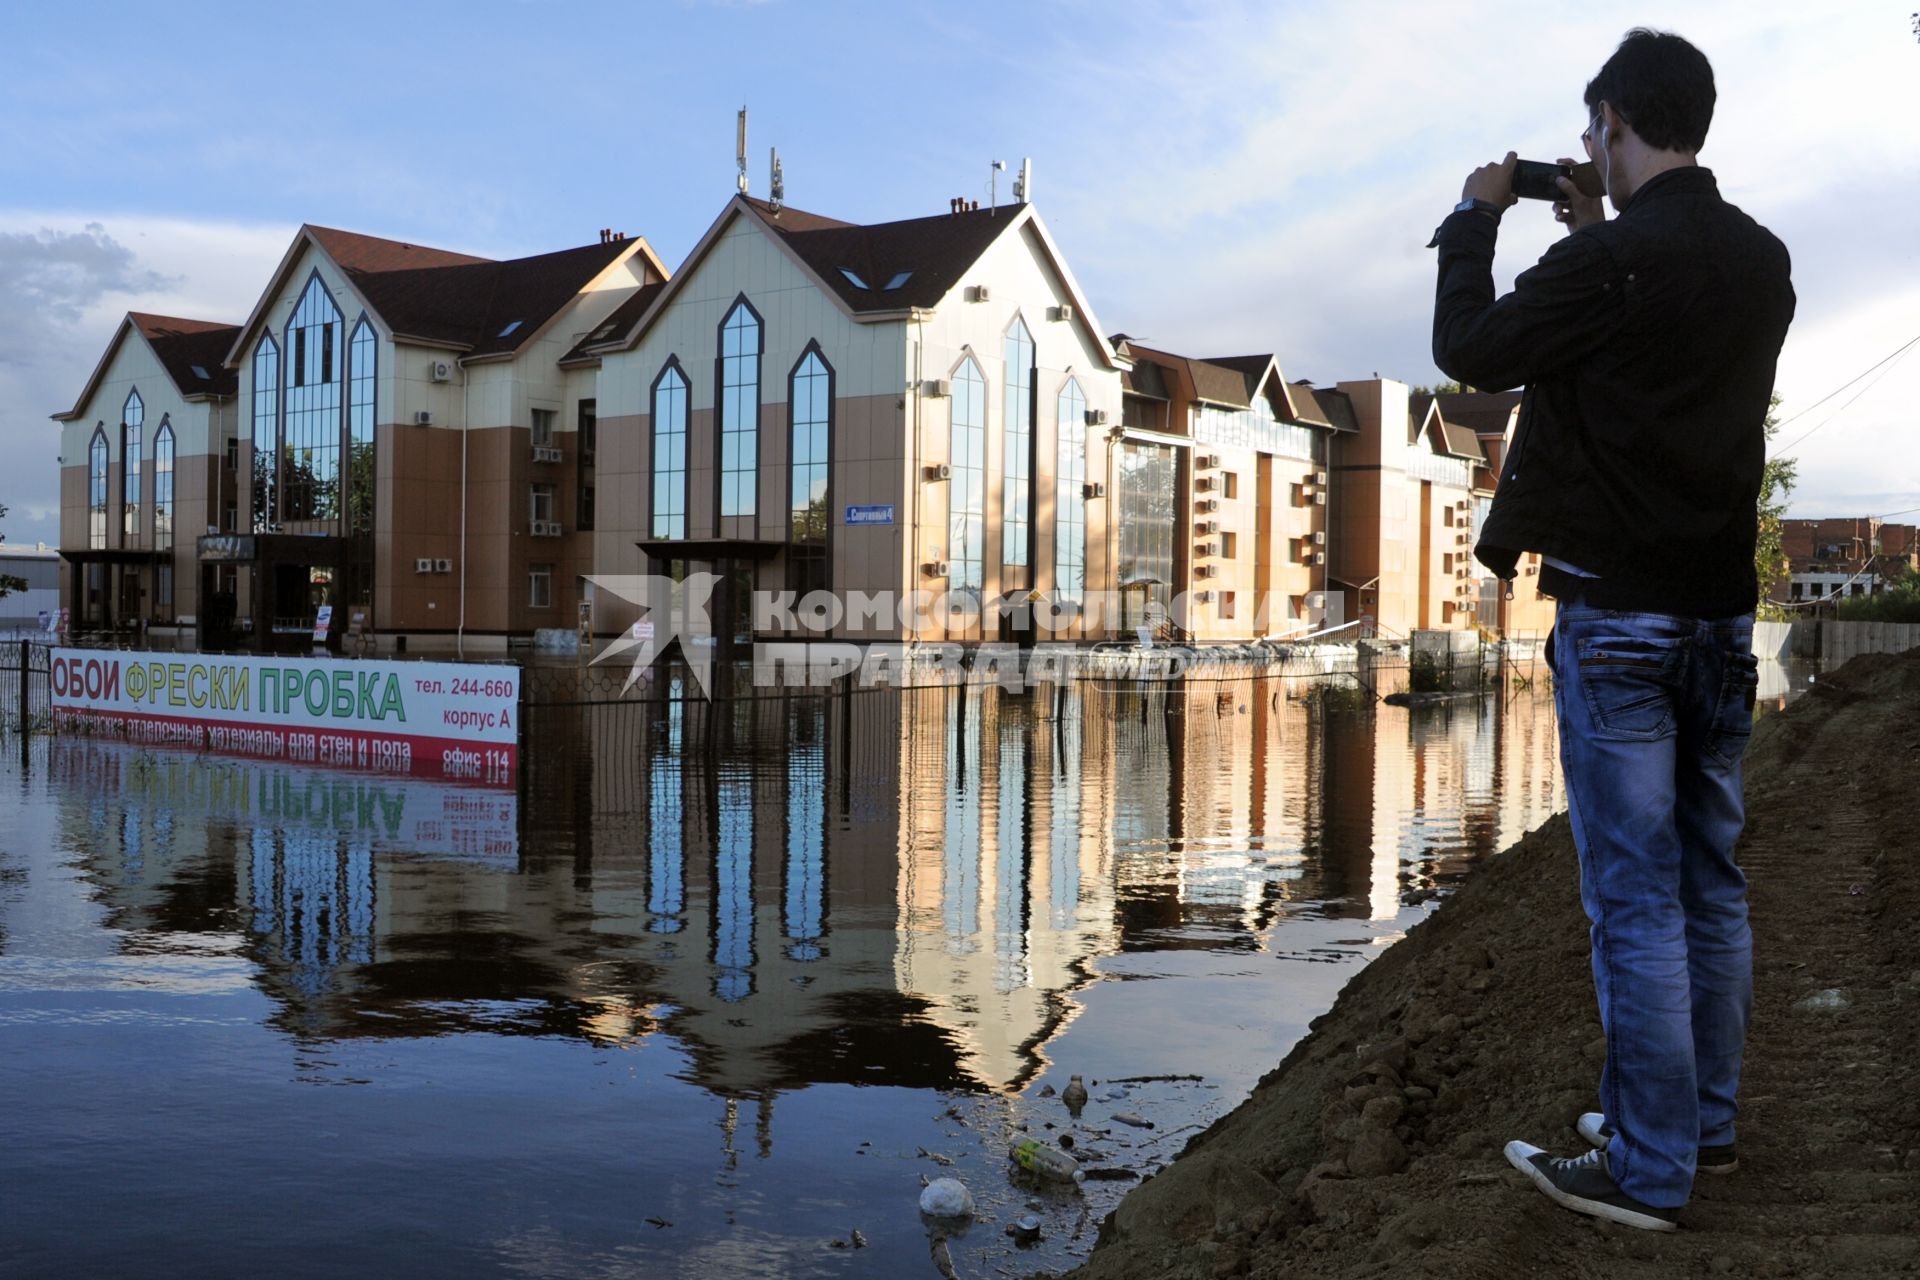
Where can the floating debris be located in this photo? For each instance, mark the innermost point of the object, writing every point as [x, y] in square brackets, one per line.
[946, 1198]
[658, 1224]
[1025, 1230]
[935, 1156]
[1136, 1120]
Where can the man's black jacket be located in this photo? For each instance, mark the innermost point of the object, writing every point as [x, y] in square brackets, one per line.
[1647, 344]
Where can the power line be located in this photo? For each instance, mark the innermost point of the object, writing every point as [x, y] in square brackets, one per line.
[1850, 381]
[1889, 362]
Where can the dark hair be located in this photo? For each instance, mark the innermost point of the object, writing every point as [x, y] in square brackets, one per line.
[1661, 85]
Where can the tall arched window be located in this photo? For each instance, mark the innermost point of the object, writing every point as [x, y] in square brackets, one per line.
[363, 363]
[967, 487]
[670, 452]
[810, 406]
[133, 419]
[739, 410]
[310, 484]
[266, 434]
[163, 487]
[97, 489]
[1016, 433]
[1070, 497]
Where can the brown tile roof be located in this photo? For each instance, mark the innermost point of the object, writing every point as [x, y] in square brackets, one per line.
[1486, 412]
[931, 253]
[192, 352]
[468, 303]
[1461, 440]
[1335, 405]
[618, 324]
[1210, 382]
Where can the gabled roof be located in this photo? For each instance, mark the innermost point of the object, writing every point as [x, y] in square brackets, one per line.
[1454, 439]
[475, 306]
[1198, 379]
[191, 351]
[1487, 413]
[879, 271]
[617, 325]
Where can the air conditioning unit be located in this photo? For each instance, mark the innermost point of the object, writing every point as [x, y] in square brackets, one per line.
[1319, 538]
[934, 568]
[546, 453]
[1206, 461]
[1320, 499]
[936, 388]
[546, 528]
[1063, 312]
[443, 566]
[1203, 548]
[1094, 489]
[1207, 526]
[1203, 597]
[1319, 557]
[423, 566]
[938, 471]
[1320, 477]
[1096, 417]
[422, 418]
[1206, 571]
[1208, 505]
[980, 293]
[440, 370]
[1204, 484]
[1533, 568]
[1316, 599]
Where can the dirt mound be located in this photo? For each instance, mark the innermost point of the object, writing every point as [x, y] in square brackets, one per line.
[1374, 1149]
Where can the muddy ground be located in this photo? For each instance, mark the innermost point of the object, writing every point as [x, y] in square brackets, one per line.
[1374, 1149]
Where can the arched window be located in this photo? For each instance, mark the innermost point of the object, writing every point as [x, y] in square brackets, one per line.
[967, 487]
[133, 419]
[163, 487]
[739, 410]
[363, 364]
[1070, 497]
[266, 434]
[310, 483]
[97, 489]
[670, 452]
[1016, 433]
[810, 407]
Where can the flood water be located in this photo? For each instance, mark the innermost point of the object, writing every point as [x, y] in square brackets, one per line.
[713, 990]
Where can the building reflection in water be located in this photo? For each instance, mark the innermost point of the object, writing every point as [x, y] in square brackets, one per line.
[894, 887]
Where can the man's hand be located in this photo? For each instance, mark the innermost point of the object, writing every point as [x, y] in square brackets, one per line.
[1576, 210]
[1492, 183]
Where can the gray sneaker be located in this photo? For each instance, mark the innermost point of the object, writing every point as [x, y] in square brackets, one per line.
[1594, 1128]
[1582, 1184]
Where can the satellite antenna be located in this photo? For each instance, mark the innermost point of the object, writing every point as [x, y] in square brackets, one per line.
[778, 182]
[1023, 185]
[740, 152]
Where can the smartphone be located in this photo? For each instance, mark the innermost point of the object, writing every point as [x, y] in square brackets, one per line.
[1535, 179]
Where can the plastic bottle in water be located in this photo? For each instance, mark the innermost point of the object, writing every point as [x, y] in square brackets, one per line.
[1048, 1161]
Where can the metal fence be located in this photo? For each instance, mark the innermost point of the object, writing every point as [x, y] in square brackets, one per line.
[25, 686]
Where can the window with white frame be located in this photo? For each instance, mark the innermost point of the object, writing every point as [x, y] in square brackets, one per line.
[543, 427]
[541, 506]
[540, 586]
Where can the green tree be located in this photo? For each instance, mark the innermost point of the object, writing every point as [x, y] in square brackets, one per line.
[1441, 389]
[9, 583]
[1776, 485]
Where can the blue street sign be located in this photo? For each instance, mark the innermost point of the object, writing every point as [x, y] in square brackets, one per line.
[880, 514]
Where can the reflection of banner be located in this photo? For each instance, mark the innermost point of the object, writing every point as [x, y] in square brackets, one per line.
[428, 719]
[404, 815]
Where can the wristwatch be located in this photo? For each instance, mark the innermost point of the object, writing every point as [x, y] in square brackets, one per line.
[1487, 207]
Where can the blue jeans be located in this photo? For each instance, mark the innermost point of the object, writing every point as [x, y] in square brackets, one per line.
[1655, 712]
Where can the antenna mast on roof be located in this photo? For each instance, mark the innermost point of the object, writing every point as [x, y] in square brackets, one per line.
[740, 152]
[777, 189]
[1023, 185]
[993, 185]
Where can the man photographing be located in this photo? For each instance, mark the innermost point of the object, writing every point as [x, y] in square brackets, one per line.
[1646, 344]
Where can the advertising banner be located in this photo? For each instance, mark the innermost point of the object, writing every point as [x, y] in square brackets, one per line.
[422, 719]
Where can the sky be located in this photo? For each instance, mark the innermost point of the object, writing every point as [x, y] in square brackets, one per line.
[1222, 177]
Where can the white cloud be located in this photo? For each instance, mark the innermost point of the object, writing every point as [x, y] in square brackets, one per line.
[1264, 176]
[66, 279]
